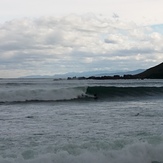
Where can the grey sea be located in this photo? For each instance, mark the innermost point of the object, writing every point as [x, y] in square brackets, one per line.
[81, 121]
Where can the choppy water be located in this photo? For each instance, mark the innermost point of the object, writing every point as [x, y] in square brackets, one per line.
[42, 120]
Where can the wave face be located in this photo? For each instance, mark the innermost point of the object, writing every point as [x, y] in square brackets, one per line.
[78, 93]
[28, 90]
[123, 92]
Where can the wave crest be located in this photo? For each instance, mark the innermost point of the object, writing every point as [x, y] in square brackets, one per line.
[27, 95]
[78, 93]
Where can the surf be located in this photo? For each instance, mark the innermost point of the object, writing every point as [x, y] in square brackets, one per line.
[133, 153]
[41, 94]
[77, 93]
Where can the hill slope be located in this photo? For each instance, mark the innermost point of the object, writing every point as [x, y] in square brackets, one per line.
[155, 72]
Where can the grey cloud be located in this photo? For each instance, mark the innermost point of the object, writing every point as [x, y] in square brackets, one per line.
[110, 41]
[134, 51]
[62, 44]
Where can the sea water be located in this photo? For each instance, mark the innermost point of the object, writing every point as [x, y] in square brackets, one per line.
[60, 121]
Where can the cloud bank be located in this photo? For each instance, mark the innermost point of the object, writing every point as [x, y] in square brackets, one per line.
[52, 45]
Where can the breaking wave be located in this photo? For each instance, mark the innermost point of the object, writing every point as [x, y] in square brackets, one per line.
[77, 93]
[38, 95]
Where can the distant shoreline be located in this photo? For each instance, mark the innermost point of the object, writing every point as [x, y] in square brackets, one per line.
[115, 77]
[155, 72]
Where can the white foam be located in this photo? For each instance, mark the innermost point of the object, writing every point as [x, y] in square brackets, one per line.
[136, 153]
[41, 94]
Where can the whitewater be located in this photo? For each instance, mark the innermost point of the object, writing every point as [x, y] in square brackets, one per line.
[61, 121]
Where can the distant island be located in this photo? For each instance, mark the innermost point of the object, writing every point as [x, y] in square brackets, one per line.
[155, 72]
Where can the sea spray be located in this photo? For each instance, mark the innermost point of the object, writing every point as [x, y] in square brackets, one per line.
[41, 94]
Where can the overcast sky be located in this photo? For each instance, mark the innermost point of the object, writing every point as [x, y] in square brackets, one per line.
[47, 37]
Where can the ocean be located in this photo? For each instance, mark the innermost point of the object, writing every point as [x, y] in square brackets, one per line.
[81, 121]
